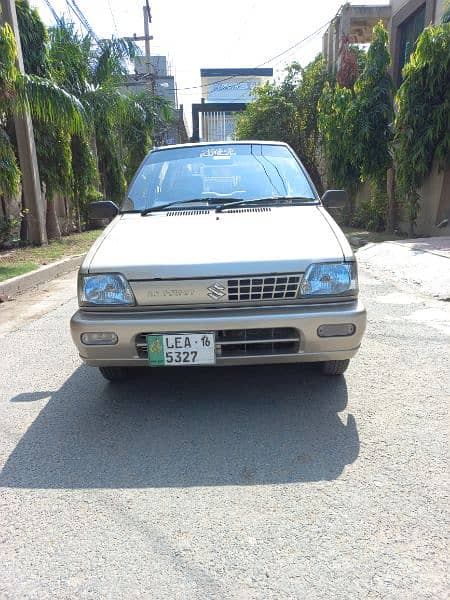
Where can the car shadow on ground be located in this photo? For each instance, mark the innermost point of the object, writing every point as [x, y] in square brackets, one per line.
[187, 427]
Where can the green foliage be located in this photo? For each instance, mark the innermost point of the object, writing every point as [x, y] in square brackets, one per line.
[108, 64]
[8, 70]
[9, 169]
[374, 109]
[288, 112]
[33, 38]
[271, 116]
[88, 134]
[55, 160]
[121, 126]
[336, 124]
[372, 213]
[423, 118]
[360, 55]
[356, 128]
[51, 104]
[9, 229]
[46, 101]
[69, 56]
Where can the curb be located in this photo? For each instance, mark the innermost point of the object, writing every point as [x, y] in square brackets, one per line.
[22, 283]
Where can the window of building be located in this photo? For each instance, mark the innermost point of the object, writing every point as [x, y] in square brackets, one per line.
[409, 32]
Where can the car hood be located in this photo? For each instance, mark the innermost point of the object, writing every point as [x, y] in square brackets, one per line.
[193, 243]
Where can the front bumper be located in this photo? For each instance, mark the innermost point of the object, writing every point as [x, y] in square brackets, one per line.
[305, 319]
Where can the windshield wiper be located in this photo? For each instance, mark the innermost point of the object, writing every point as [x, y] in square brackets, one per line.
[151, 209]
[287, 199]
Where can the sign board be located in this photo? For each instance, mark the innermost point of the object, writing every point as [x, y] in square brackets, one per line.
[232, 85]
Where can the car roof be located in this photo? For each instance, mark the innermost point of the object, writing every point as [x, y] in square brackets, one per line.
[225, 143]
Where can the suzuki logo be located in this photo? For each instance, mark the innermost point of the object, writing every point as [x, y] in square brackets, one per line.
[216, 291]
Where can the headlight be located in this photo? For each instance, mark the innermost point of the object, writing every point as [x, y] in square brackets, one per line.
[329, 279]
[108, 288]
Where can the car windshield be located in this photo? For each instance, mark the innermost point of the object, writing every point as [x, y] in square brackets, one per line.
[218, 172]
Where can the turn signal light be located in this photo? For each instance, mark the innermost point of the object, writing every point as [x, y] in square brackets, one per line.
[99, 338]
[340, 330]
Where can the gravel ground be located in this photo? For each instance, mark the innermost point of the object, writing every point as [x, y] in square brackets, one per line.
[261, 482]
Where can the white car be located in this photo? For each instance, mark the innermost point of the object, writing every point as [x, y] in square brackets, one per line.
[221, 254]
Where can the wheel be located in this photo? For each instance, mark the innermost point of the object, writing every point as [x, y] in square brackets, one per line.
[335, 367]
[114, 373]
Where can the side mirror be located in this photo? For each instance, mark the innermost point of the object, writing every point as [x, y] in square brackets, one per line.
[105, 209]
[335, 198]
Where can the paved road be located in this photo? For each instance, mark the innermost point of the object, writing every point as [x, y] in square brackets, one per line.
[241, 483]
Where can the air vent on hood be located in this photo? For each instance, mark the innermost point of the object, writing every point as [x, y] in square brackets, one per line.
[242, 210]
[185, 213]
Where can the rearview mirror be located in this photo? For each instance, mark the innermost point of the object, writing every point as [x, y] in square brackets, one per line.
[335, 198]
[105, 209]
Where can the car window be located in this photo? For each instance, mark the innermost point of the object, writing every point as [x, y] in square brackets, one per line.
[241, 171]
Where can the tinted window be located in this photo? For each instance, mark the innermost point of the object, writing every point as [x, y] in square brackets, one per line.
[241, 171]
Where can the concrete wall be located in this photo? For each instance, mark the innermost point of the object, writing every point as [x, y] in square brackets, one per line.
[397, 4]
[439, 11]
[354, 23]
[438, 8]
[434, 204]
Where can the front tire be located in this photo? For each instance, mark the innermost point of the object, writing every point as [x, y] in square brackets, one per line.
[335, 367]
[115, 374]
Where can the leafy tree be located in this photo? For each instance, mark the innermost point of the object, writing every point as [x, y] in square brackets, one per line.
[46, 102]
[33, 38]
[356, 125]
[348, 70]
[374, 116]
[336, 125]
[423, 118]
[88, 132]
[288, 112]
[121, 125]
[271, 116]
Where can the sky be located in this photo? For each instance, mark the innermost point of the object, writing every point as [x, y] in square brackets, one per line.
[199, 34]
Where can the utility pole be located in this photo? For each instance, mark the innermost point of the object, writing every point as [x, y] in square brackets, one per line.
[31, 184]
[147, 36]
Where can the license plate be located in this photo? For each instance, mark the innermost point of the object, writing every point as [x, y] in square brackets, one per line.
[181, 349]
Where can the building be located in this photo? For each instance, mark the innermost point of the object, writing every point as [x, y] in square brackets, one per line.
[225, 92]
[153, 74]
[352, 24]
[408, 20]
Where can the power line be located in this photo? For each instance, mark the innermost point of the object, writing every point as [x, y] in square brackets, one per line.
[113, 18]
[79, 13]
[52, 10]
[297, 44]
[273, 58]
[302, 41]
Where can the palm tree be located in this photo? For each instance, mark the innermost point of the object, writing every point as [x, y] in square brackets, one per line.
[47, 103]
[121, 125]
[96, 135]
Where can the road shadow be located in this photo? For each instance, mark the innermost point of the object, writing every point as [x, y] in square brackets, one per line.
[187, 427]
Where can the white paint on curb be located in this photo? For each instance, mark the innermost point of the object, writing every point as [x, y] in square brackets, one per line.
[22, 283]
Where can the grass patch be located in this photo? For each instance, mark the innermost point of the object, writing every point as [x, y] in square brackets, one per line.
[8, 271]
[22, 260]
[359, 237]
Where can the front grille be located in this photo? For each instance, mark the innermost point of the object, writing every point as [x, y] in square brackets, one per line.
[271, 287]
[235, 343]
[232, 343]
